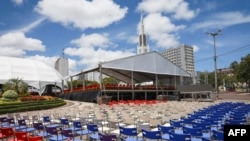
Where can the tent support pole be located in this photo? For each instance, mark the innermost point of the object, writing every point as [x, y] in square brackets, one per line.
[83, 82]
[133, 92]
[71, 85]
[62, 86]
[55, 88]
[156, 84]
[100, 78]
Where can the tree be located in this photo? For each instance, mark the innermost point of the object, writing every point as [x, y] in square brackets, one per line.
[243, 71]
[109, 80]
[17, 85]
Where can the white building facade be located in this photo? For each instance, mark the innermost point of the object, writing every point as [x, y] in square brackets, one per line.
[62, 66]
[182, 56]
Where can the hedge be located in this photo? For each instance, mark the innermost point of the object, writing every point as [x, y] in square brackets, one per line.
[30, 106]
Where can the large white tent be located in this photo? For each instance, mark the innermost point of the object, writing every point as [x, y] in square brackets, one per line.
[34, 73]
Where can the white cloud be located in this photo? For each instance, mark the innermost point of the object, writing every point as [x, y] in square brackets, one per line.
[82, 13]
[161, 31]
[195, 48]
[94, 48]
[17, 44]
[178, 9]
[93, 40]
[222, 20]
[17, 2]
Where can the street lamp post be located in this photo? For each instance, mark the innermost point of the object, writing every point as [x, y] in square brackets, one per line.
[214, 34]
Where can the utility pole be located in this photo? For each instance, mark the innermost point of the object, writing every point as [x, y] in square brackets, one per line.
[214, 34]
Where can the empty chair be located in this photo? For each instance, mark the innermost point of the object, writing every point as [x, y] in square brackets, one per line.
[176, 123]
[23, 127]
[179, 137]
[77, 129]
[10, 122]
[23, 136]
[64, 123]
[7, 133]
[165, 131]
[217, 135]
[3, 121]
[129, 134]
[151, 135]
[93, 131]
[205, 139]
[47, 122]
[54, 134]
[39, 129]
[35, 138]
[69, 134]
[114, 127]
[107, 137]
[196, 132]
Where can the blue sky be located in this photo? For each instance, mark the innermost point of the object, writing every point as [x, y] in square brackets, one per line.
[92, 31]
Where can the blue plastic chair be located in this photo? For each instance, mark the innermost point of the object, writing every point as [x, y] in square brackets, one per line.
[64, 123]
[196, 132]
[107, 137]
[179, 137]
[128, 134]
[40, 130]
[176, 123]
[77, 128]
[47, 122]
[151, 135]
[217, 135]
[3, 121]
[93, 131]
[165, 131]
[54, 134]
[68, 133]
[22, 126]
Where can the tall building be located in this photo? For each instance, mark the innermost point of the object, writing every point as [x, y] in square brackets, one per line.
[142, 47]
[182, 56]
[62, 66]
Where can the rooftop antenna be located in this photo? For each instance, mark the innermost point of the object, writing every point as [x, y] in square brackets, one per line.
[63, 52]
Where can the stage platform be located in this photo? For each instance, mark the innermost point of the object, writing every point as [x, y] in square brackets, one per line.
[117, 95]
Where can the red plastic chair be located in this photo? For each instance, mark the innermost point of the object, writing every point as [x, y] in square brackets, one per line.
[35, 138]
[7, 133]
[21, 136]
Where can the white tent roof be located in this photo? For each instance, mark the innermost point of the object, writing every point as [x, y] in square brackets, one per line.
[142, 68]
[34, 73]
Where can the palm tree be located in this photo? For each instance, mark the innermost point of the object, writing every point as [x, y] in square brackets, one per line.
[17, 85]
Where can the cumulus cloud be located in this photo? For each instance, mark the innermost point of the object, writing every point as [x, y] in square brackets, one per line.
[93, 40]
[94, 48]
[161, 30]
[178, 9]
[17, 44]
[82, 13]
[222, 20]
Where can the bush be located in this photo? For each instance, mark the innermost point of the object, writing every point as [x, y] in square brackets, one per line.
[10, 95]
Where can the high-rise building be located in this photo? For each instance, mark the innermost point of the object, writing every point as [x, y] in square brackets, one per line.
[182, 56]
[62, 66]
[142, 47]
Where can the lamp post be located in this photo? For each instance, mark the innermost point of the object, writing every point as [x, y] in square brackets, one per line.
[214, 34]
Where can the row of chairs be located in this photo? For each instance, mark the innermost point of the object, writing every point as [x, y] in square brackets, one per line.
[10, 134]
